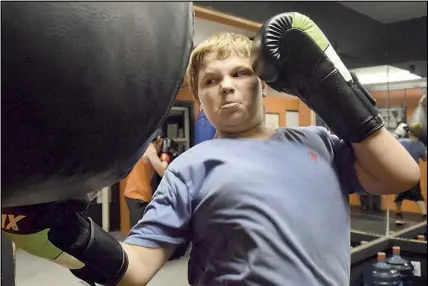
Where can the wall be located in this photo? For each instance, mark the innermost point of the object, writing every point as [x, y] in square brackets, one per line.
[398, 97]
[279, 105]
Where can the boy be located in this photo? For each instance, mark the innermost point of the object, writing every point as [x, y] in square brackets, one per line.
[418, 152]
[242, 199]
[261, 207]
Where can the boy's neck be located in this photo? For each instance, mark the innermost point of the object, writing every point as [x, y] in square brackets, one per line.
[257, 132]
[413, 138]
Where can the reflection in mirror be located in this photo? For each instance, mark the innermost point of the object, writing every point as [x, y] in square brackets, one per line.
[397, 99]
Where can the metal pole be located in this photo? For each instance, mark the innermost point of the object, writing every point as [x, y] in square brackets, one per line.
[387, 222]
[106, 208]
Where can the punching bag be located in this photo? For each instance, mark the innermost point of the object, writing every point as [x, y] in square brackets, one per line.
[204, 130]
[84, 86]
[420, 116]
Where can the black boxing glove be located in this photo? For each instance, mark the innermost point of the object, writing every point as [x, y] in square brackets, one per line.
[62, 233]
[291, 54]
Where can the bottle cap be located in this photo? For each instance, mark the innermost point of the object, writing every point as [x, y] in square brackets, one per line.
[421, 237]
[396, 250]
[381, 256]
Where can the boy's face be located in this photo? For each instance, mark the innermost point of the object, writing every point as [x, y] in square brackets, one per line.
[230, 94]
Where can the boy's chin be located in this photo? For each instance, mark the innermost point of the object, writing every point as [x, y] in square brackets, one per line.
[234, 121]
[234, 127]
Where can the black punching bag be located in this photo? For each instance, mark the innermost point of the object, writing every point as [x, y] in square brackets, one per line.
[84, 86]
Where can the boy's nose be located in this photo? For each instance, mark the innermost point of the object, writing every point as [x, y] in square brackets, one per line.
[227, 86]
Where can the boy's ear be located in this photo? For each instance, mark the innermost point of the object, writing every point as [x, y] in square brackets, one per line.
[264, 89]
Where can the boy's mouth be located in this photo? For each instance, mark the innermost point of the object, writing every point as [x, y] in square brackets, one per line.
[229, 104]
[229, 101]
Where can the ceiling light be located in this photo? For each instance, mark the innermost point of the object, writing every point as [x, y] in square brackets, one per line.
[383, 74]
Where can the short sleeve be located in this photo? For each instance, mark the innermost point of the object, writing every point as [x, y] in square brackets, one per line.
[337, 151]
[167, 217]
[343, 160]
[423, 151]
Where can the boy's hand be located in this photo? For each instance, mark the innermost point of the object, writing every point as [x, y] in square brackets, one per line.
[291, 54]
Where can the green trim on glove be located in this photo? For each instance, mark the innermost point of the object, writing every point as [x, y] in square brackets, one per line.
[305, 24]
[36, 243]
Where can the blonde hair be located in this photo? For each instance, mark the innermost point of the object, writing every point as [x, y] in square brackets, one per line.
[415, 129]
[223, 45]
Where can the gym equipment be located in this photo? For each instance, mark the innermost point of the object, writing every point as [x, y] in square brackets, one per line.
[62, 233]
[292, 55]
[204, 130]
[84, 86]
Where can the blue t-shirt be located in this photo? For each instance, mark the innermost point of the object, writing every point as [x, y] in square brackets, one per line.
[258, 212]
[415, 148]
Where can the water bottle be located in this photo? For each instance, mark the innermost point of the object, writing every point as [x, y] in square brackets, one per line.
[382, 274]
[403, 266]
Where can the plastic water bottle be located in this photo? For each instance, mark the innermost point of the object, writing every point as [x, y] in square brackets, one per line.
[403, 266]
[382, 274]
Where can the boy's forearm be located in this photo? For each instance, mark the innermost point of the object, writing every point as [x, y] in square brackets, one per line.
[143, 263]
[386, 161]
[133, 275]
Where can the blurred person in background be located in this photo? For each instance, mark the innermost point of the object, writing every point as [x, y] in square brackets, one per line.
[138, 189]
[419, 152]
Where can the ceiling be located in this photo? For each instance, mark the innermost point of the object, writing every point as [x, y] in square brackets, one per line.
[383, 74]
[389, 12]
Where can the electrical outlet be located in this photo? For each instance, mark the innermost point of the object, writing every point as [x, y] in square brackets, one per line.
[417, 268]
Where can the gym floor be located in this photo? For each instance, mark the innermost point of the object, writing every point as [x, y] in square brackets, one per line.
[33, 271]
[375, 222]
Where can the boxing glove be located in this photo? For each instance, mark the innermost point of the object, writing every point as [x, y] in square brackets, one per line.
[62, 233]
[165, 156]
[292, 55]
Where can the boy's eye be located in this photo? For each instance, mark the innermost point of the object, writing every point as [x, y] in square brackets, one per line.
[241, 73]
[209, 81]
